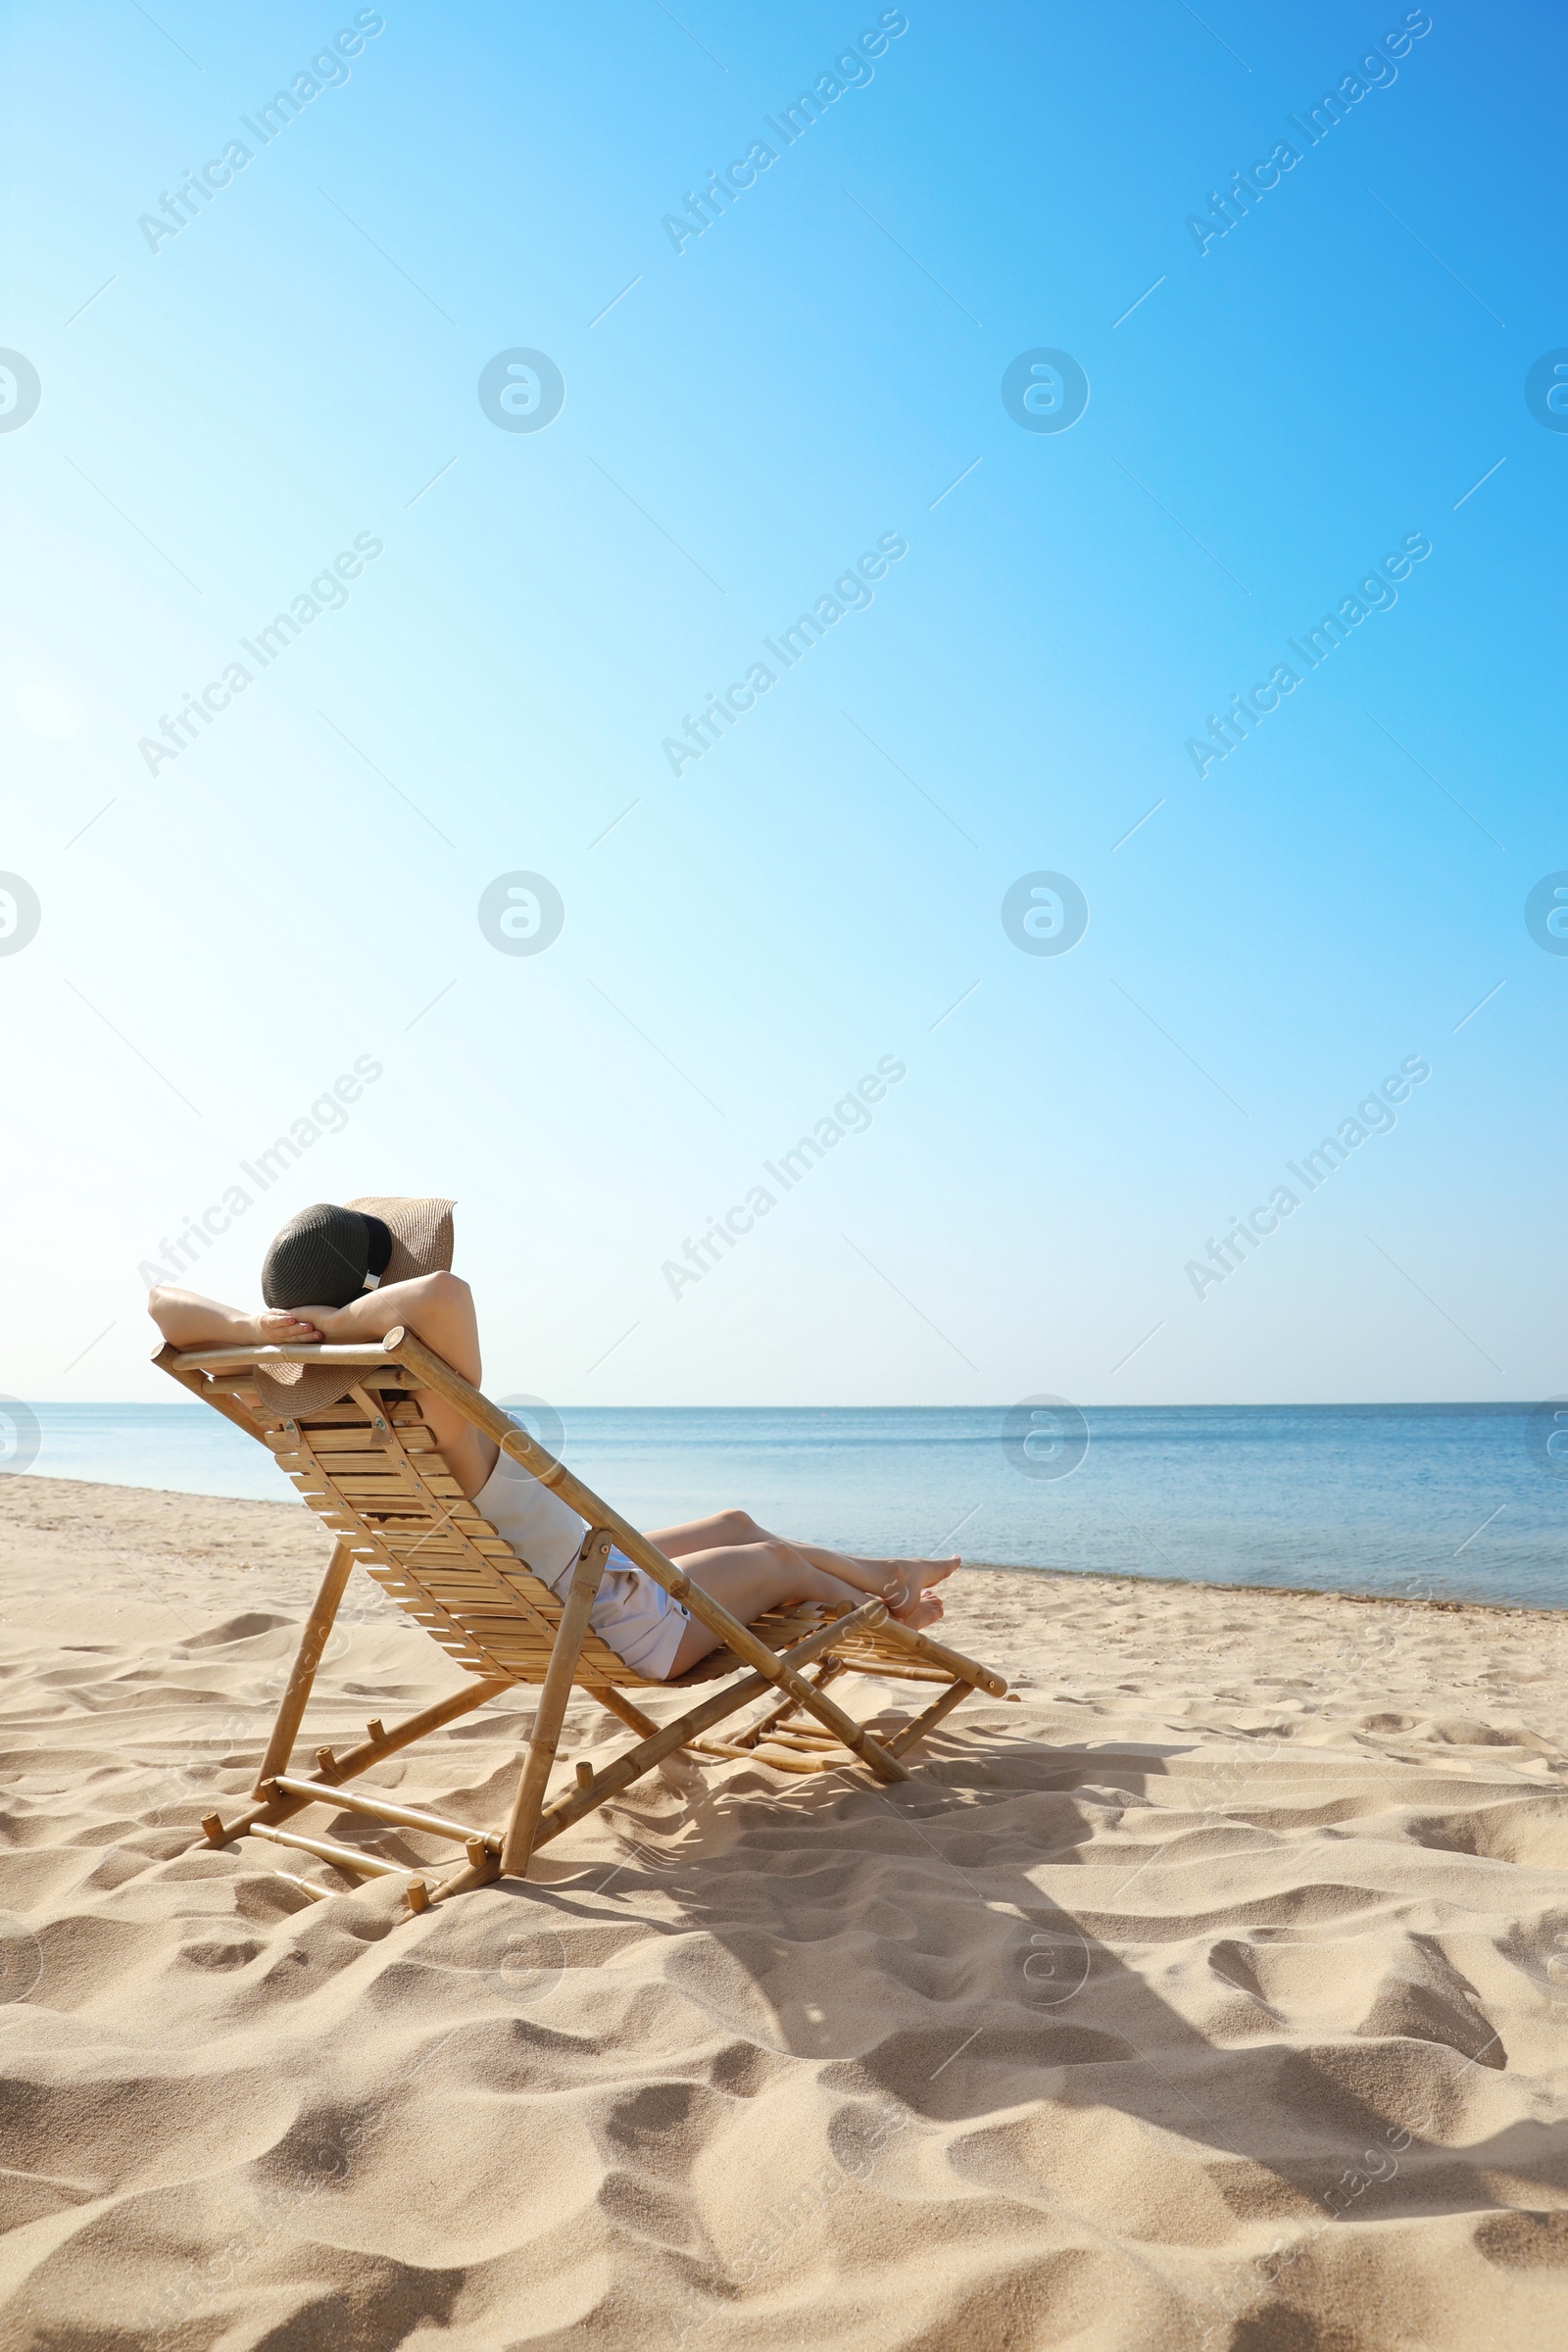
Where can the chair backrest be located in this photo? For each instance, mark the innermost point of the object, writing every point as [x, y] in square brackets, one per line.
[370, 1468]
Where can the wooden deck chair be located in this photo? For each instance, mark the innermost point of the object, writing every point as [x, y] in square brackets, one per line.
[369, 1466]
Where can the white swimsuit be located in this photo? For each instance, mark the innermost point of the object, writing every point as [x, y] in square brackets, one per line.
[638, 1618]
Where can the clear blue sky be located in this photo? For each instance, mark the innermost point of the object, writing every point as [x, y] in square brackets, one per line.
[224, 933]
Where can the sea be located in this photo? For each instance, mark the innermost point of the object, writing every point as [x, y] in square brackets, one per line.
[1439, 1501]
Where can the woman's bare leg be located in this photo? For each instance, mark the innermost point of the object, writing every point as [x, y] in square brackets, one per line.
[746, 1579]
[900, 1583]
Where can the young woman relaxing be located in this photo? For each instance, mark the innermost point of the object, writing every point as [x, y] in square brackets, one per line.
[352, 1274]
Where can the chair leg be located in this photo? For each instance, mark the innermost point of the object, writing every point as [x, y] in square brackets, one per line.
[828, 1672]
[318, 1626]
[843, 1728]
[554, 1695]
[465, 1880]
[617, 1703]
[943, 1705]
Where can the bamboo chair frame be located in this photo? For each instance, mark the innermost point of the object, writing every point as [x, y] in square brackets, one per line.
[370, 1468]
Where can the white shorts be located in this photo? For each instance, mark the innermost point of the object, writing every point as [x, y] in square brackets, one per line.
[638, 1618]
[641, 1622]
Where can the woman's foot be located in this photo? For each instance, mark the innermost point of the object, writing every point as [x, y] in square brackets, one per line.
[919, 1575]
[906, 1584]
[924, 1610]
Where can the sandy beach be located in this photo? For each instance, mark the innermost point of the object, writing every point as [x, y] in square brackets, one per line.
[1215, 1994]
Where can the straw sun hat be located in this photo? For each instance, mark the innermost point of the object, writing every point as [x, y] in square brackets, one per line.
[328, 1256]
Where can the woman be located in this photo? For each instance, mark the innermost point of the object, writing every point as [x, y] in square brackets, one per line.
[352, 1274]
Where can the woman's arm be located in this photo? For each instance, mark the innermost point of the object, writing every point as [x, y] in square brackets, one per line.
[437, 1309]
[187, 1320]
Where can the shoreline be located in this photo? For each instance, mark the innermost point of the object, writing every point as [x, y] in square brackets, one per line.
[1199, 1584]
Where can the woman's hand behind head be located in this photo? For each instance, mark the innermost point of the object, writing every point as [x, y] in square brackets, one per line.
[287, 1327]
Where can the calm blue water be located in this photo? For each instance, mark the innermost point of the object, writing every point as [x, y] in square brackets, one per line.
[1459, 1501]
